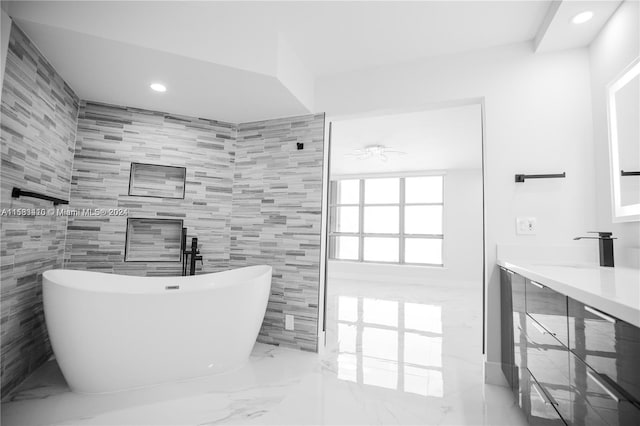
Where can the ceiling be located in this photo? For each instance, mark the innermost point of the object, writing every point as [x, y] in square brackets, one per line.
[441, 139]
[558, 33]
[243, 61]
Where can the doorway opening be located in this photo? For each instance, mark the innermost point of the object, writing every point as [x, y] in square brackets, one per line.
[404, 269]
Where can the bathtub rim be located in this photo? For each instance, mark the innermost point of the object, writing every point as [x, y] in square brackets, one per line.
[103, 282]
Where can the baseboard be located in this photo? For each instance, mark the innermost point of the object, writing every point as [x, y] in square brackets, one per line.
[493, 374]
[395, 279]
[410, 274]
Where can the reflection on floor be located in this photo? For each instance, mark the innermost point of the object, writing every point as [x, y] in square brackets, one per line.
[391, 344]
[395, 354]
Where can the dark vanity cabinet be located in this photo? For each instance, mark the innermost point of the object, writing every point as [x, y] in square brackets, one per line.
[506, 335]
[537, 405]
[548, 363]
[605, 358]
[566, 362]
[521, 353]
[514, 322]
[549, 310]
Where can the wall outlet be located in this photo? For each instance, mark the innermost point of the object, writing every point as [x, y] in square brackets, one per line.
[288, 322]
[526, 226]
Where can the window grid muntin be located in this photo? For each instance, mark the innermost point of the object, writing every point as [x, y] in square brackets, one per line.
[401, 235]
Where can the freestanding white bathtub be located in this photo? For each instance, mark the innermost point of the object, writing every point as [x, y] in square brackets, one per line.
[114, 332]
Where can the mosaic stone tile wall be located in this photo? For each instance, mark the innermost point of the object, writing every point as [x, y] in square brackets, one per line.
[109, 139]
[38, 125]
[274, 217]
[277, 197]
[251, 197]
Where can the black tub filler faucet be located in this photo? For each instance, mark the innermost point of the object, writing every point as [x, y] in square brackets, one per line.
[606, 246]
[189, 257]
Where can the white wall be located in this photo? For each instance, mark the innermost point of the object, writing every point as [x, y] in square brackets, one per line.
[5, 31]
[463, 224]
[462, 241]
[617, 45]
[537, 120]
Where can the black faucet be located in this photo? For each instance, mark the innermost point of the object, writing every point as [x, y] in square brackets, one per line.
[194, 256]
[606, 247]
[189, 256]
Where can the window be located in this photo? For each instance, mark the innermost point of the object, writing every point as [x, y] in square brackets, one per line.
[391, 220]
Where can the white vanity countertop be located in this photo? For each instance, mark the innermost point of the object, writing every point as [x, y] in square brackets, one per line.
[615, 291]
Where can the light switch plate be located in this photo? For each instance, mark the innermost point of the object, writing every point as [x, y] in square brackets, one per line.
[526, 226]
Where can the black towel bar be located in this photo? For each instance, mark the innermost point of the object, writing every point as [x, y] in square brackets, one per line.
[521, 178]
[17, 193]
[623, 173]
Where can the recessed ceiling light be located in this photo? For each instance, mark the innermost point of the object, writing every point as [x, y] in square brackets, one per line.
[158, 87]
[582, 17]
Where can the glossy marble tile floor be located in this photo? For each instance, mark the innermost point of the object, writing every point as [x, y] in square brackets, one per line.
[396, 354]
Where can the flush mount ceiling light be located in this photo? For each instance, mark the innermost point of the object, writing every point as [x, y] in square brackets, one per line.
[158, 87]
[582, 17]
[379, 152]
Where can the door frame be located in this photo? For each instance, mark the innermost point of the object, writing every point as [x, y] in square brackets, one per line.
[326, 172]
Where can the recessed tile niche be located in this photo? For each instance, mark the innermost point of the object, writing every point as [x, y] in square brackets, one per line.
[155, 180]
[153, 240]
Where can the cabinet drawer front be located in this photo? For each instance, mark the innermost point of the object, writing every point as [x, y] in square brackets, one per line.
[518, 317]
[548, 362]
[606, 344]
[548, 308]
[536, 404]
[512, 315]
[595, 401]
[519, 349]
[518, 292]
[506, 308]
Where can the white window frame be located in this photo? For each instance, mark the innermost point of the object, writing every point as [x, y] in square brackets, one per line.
[401, 235]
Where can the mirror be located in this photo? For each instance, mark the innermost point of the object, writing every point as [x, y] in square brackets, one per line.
[623, 103]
